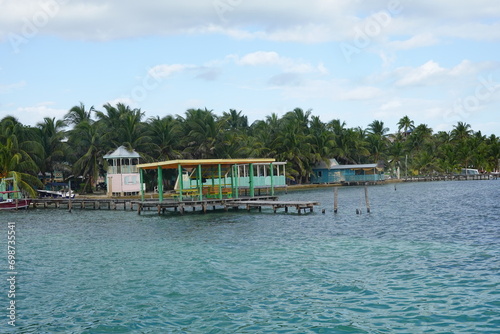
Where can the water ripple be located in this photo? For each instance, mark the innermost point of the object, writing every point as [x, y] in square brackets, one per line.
[426, 259]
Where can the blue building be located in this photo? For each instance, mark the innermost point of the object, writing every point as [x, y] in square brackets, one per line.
[335, 173]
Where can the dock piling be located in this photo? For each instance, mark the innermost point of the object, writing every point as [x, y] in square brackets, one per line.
[367, 199]
[335, 199]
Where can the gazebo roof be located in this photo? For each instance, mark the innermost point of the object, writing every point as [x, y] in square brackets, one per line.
[122, 152]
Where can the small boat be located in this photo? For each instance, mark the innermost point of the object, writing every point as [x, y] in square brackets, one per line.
[8, 200]
[56, 194]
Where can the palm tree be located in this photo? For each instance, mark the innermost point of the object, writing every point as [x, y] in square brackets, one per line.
[350, 147]
[87, 138]
[134, 135]
[460, 135]
[78, 114]
[235, 120]
[261, 138]
[165, 135]
[299, 117]
[425, 162]
[493, 143]
[406, 124]
[377, 146]
[201, 133]
[52, 138]
[322, 140]
[461, 131]
[377, 128]
[294, 146]
[17, 164]
[396, 155]
[337, 127]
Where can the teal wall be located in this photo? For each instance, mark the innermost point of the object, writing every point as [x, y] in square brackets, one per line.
[343, 175]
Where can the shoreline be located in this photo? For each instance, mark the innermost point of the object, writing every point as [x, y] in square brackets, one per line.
[298, 187]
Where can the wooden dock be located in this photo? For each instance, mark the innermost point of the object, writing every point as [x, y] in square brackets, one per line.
[471, 177]
[299, 205]
[226, 204]
[174, 205]
[83, 203]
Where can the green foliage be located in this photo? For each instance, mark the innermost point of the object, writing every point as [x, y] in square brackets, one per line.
[77, 143]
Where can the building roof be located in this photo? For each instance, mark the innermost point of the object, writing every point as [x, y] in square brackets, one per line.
[324, 165]
[122, 152]
[363, 166]
[334, 165]
[172, 164]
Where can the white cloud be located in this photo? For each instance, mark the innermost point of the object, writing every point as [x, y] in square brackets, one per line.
[431, 73]
[416, 41]
[311, 21]
[5, 89]
[31, 114]
[263, 58]
[165, 70]
[260, 58]
[420, 75]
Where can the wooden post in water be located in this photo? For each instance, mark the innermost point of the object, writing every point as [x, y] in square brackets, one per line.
[366, 199]
[69, 197]
[335, 199]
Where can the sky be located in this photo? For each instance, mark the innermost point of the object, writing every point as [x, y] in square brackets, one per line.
[435, 61]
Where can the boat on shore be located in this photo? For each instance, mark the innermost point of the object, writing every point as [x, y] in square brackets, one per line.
[9, 200]
[56, 194]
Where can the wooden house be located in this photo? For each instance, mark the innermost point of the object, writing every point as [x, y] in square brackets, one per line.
[333, 172]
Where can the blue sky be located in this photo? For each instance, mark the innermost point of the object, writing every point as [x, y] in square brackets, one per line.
[355, 60]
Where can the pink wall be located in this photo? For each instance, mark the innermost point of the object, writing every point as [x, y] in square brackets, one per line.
[123, 183]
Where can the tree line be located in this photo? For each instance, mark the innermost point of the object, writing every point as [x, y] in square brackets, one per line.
[77, 143]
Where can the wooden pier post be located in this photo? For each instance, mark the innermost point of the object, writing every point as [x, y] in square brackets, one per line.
[367, 199]
[69, 197]
[335, 199]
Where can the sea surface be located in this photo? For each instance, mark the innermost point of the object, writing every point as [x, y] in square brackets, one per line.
[426, 259]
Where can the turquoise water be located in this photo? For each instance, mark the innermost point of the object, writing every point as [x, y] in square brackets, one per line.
[425, 260]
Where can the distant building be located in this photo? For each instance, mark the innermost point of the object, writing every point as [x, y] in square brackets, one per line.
[333, 172]
[123, 176]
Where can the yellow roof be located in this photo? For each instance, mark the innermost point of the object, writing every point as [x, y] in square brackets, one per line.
[171, 164]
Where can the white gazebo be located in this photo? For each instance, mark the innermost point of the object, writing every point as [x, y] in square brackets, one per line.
[123, 176]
